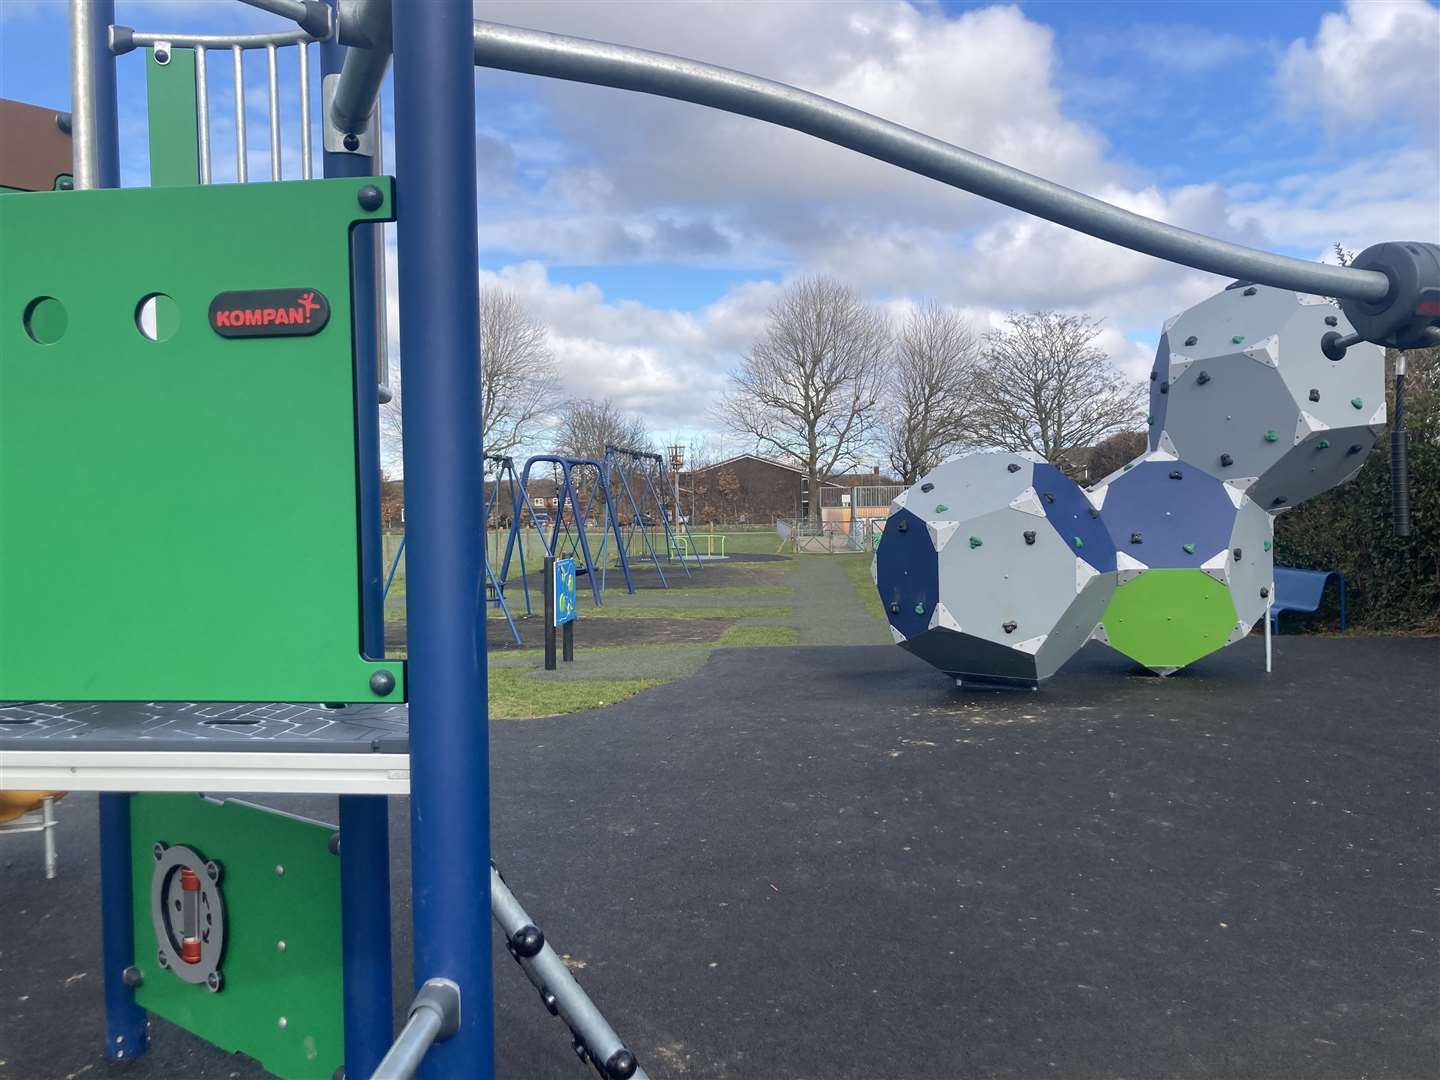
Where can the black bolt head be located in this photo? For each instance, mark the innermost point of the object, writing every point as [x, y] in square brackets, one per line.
[527, 941]
[382, 683]
[621, 1066]
[162, 56]
[370, 197]
[351, 142]
[1029, 537]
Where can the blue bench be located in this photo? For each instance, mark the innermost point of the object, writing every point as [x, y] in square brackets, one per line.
[1302, 590]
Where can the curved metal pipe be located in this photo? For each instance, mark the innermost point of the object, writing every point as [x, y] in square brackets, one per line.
[557, 56]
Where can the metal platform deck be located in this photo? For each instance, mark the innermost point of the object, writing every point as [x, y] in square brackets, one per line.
[195, 746]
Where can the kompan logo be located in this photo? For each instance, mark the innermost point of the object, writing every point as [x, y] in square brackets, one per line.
[269, 313]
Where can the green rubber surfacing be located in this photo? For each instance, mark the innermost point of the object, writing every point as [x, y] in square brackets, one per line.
[143, 483]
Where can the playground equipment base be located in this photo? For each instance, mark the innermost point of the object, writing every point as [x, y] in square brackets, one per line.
[189, 746]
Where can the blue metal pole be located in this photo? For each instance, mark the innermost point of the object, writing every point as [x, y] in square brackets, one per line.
[364, 819]
[444, 496]
[97, 165]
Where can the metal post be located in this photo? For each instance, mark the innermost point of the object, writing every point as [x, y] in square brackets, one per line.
[96, 140]
[567, 641]
[364, 819]
[47, 822]
[550, 613]
[444, 495]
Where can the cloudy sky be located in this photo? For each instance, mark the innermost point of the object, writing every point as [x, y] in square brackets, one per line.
[651, 236]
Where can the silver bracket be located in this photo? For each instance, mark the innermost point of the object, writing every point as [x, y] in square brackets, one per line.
[343, 142]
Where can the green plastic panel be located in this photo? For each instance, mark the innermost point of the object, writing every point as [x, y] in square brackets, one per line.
[263, 983]
[1169, 618]
[180, 516]
[174, 119]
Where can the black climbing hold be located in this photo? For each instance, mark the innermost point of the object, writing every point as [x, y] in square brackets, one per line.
[1202, 378]
[1164, 388]
[1250, 291]
[1009, 627]
[1236, 553]
[527, 941]
[1264, 591]
[1191, 340]
[1314, 394]
[1226, 460]
[1355, 449]
[370, 197]
[903, 526]
[382, 683]
[1136, 538]
[1152, 376]
[927, 488]
[1331, 320]
[1029, 537]
[895, 607]
[1176, 474]
[1049, 498]
[621, 1065]
[1279, 500]
[1012, 467]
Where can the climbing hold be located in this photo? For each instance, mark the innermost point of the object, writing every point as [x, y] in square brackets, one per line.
[940, 508]
[1359, 403]
[1236, 553]
[1136, 538]
[1268, 545]
[902, 525]
[1202, 378]
[1176, 474]
[1237, 339]
[1314, 394]
[1164, 388]
[1226, 460]
[1152, 376]
[1077, 542]
[927, 488]
[1271, 435]
[1354, 449]
[1009, 627]
[1150, 420]
[1264, 591]
[975, 541]
[1128, 466]
[1189, 549]
[1049, 498]
[920, 608]
[1029, 536]
[1012, 467]
[1250, 291]
[895, 607]
[1323, 444]
[1278, 500]
[1191, 340]
[1331, 320]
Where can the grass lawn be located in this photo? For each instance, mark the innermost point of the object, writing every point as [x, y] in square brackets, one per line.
[517, 694]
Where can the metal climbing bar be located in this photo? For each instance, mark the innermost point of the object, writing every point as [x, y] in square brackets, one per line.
[595, 1040]
[434, 1017]
[559, 56]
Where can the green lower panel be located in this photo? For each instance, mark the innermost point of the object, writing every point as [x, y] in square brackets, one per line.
[1169, 618]
[281, 1005]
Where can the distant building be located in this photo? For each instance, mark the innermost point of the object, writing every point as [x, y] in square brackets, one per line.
[746, 490]
[1076, 463]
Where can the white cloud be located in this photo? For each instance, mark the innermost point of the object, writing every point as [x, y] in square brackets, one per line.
[1378, 60]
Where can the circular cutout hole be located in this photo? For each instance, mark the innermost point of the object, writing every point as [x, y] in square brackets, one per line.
[45, 320]
[157, 317]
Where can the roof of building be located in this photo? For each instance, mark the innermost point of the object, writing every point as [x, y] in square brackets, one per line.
[752, 457]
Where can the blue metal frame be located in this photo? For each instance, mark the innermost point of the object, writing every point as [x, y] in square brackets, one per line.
[364, 819]
[445, 529]
[505, 473]
[499, 600]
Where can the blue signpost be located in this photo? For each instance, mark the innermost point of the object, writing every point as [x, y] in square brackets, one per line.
[560, 610]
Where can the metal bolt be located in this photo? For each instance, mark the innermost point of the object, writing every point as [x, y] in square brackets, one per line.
[280, 946]
[131, 976]
[212, 871]
[334, 843]
[382, 683]
[161, 960]
[370, 197]
[214, 982]
[279, 870]
[162, 56]
[282, 1023]
[158, 851]
[66, 184]
[352, 142]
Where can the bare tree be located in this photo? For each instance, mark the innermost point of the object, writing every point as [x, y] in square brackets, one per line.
[517, 377]
[809, 389]
[1044, 386]
[588, 426]
[1116, 450]
[932, 390]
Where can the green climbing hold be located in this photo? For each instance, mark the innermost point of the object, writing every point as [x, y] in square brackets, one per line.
[975, 541]
[1150, 420]
[1237, 339]
[940, 508]
[920, 609]
[1078, 542]
[1189, 548]
[1267, 545]
[1359, 403]
[1323, 444]
[1271, 435]
[1128, 466]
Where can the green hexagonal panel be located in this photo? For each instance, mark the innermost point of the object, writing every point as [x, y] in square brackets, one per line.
[1166, 619]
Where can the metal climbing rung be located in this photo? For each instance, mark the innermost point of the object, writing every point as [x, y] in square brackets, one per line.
[595, 1040]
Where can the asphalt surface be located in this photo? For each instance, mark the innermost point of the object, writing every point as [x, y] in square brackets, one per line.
[826, 863]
